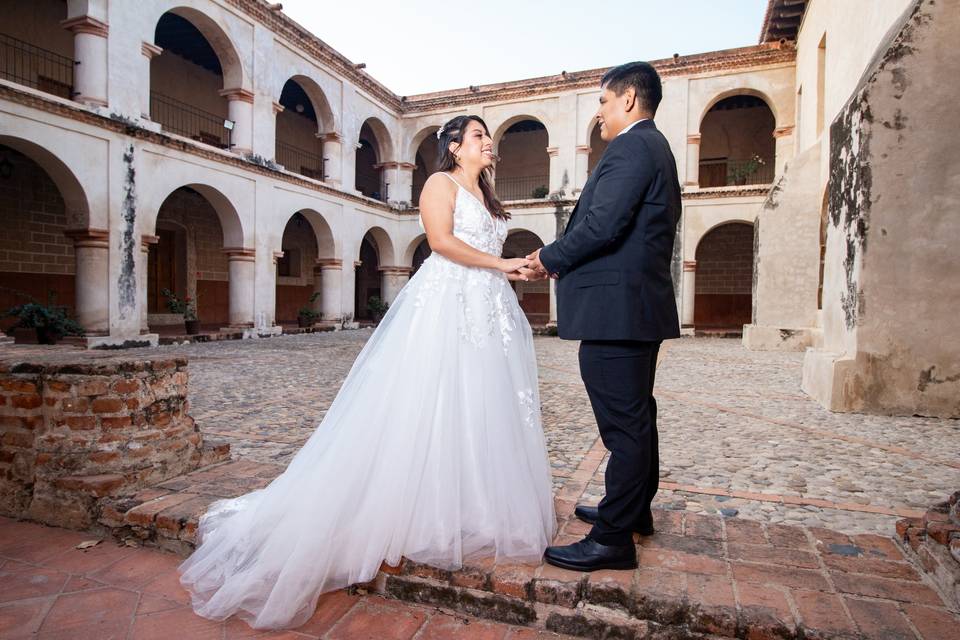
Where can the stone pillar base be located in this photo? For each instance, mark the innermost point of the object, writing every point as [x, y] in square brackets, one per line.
[825, 377]
[121, 342]
[763, 338]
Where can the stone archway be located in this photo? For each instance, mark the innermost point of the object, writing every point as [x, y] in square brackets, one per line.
[724, 278]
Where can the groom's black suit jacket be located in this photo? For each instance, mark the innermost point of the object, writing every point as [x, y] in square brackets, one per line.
[614, 256]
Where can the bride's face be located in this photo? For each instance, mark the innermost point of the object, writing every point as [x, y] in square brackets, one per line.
[476, 149]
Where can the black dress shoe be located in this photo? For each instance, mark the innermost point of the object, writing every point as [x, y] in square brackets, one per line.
[590, 516]
[590, 555]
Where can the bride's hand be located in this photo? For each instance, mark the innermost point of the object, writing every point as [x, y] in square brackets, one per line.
[510, 265]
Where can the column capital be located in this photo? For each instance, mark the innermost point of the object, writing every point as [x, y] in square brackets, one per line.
[585, 149]
[240, 254]
[328, 263]
[331, 136]
[689, 265]
[693, 138]
[553, 151]
[277, 107]
[277, 255]
[86, 24]
[395, 271]
[150, 50]
[392, 164]
[95, 238]
[237, 93]
[780, 132]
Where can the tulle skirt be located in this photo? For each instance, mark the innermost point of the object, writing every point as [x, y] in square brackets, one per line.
[432, 450]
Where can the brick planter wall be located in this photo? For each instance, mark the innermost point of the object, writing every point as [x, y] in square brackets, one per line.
[74, 432]
[934, 541]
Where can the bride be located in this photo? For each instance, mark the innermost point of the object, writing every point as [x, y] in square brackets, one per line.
[433, 448]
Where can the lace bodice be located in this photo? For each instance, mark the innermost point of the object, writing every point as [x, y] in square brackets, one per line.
[473, 224]
[486, 303]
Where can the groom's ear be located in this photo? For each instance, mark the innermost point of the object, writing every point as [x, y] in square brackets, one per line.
[630, 98]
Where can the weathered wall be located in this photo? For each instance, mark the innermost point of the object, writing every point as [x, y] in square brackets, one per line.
[787, 259]
[890, 295]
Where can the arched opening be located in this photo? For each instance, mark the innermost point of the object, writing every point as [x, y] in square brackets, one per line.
[724, 282]
[299, 146]
[35, 50]
[523, 171]
[421, 253]
[295, 269]
[187, 79]
[597, 146]
[534, 297]
[425, 160]
[372, 147]
[38, 260]
[737, 146]
[188, 260]
[368, 282]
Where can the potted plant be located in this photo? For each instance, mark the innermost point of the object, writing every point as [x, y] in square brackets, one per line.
[186, 307]
[540, 192]
[42, 323]
[738, 174]
[306, 316]
[377, 308]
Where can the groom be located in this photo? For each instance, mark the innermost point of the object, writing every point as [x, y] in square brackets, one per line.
[615, 294]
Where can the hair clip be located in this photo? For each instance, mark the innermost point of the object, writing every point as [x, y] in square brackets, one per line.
[440, 131]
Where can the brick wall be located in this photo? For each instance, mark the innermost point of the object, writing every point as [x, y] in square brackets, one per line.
[35, 256]
[534, 297]
[75, 431]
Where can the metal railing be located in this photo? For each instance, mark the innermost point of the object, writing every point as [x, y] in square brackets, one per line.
[728, 173]
[188, 121]
[306, 163]
[30, 65]
[522, 187]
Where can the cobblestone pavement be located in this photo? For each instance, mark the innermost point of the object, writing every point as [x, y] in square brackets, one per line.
[737, 435]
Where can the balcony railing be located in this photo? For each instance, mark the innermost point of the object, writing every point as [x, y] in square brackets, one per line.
[522, 187]
[306, 163]
[188, 121]
[728, 173]
[29, 65]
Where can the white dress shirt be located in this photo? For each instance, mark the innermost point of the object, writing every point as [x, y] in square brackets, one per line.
[630, 126]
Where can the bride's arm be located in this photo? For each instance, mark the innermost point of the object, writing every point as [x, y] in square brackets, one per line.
[436, 210]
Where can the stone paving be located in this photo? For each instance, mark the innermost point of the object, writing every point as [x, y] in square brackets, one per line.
[738, 437]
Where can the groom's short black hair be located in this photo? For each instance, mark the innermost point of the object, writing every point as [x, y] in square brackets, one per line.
[642, 77]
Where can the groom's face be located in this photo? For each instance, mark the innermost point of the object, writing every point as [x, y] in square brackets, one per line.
[612, 116]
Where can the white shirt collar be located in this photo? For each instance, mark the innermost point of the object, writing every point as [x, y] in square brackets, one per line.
[630, 126]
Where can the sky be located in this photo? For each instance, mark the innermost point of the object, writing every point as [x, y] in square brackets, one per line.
[418, 46]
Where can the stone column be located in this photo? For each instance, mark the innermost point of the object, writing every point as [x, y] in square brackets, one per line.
[400, 176]
[689, 292]
[583, 163]
[149, 51]
[552, 322]
[392, 280]
[242, 269]
[142, 268]
[555, 177]
[331, 272]
[240, 111]
[693, 161]
[332, 158]
[90, 59]
[784, 148]
[91, 248]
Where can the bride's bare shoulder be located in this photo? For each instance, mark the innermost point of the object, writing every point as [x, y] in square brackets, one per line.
[438, 190]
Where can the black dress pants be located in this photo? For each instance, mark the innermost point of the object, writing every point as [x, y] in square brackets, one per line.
[619, 379]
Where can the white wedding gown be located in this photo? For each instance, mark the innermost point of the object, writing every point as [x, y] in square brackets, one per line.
[432, 450]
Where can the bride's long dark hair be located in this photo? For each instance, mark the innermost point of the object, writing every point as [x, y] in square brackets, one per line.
[453, 132]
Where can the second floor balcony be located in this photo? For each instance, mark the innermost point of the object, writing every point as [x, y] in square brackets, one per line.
[35, 67]
[189, 121]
